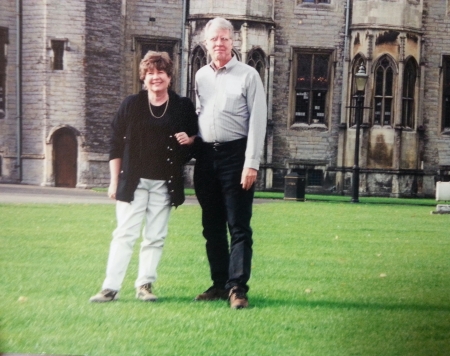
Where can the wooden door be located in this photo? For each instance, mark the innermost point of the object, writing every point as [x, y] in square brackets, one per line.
[65, 158]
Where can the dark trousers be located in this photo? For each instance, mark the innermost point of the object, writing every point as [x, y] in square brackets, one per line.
[217, 180]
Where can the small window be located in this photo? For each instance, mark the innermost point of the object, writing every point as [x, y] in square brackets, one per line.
[146, 44]
[311, 88]
[314, 177]
[444, 173]
[3, 44]
[446, 93]
[58, 54]
[383, 99]
[315, 1]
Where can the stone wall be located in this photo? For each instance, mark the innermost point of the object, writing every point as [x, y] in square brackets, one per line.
[35, 110]
[437, 44]
[8, 124]
[305, 27]
[234, 9]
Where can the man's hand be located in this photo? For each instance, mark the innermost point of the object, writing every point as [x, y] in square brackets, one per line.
[248, 177]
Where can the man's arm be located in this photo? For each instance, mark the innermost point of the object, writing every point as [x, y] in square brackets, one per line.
[257, 107]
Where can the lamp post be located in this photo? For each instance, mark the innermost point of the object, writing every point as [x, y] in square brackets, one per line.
[361, 80]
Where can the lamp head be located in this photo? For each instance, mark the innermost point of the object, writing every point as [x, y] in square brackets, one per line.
[361, 78]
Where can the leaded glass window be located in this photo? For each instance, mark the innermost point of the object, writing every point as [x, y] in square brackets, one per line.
[446, 93]
[256, 60]
[383, 99]
[409, 88]
[199, 60]
[311, 87]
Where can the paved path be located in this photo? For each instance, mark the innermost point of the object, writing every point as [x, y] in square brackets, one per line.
[21, 193]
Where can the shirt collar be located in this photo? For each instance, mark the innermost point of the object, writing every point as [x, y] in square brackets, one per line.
[232, 62]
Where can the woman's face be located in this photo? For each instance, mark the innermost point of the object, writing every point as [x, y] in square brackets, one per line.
[156, 81]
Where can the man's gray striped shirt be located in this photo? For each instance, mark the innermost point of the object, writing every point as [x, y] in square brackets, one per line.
[231, 104]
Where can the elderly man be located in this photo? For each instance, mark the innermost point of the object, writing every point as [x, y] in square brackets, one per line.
[232, 109]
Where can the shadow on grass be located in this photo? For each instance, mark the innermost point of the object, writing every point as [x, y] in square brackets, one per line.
[271, 303]
[260, 303]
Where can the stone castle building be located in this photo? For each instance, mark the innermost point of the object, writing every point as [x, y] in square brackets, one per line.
[66, 66]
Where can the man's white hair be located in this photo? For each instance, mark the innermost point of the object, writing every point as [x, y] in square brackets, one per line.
[219, 23]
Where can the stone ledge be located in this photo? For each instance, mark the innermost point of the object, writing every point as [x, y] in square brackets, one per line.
[442, 209]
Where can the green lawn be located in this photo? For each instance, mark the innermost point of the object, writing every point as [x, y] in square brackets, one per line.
[329, 278]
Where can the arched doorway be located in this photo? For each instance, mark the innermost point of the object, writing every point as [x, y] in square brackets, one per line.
[65, 158]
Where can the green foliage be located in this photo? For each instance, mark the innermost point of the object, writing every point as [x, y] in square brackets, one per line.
[329, 278]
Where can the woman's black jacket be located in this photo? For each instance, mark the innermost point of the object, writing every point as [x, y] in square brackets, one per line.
[127, 142]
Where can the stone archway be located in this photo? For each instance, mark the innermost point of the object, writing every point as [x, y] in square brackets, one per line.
[65, 154]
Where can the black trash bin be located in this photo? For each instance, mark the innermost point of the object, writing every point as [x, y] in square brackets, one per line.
[294, 187]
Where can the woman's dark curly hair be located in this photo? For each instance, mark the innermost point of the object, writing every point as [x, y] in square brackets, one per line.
[155, 60]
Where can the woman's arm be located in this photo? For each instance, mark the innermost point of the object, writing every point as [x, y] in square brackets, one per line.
[184, 139]
[114, 170]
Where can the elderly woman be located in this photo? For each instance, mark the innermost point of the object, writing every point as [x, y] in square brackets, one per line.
[151, 135]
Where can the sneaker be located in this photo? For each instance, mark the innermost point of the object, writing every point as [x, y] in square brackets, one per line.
[213, 293]
[238, 298]
[145, 294]
[106, 295]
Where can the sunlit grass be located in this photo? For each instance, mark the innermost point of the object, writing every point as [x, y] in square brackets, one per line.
[328, 278]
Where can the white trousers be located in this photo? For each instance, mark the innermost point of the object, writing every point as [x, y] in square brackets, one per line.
[152, 202]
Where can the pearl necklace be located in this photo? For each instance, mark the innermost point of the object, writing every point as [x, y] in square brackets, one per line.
[151, 112]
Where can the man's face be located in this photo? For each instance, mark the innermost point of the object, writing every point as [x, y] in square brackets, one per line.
[219, 45]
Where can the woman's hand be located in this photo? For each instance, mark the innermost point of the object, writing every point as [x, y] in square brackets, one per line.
[184, 139]
[112, 190]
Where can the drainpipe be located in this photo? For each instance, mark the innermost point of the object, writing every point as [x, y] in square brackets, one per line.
[343, 111]
[183, 72]
[346, 60]
[19, 86]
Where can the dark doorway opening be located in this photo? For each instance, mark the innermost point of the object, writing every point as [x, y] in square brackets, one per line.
[65, 158]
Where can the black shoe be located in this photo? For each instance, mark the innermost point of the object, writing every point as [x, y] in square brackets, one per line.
[238, 298]
[213, 293]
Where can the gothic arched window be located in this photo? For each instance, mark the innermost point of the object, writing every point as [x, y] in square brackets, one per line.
[198, 61]
[256, 60]
[383, 98]
[446, 93]
[357, 62]
[409, 88]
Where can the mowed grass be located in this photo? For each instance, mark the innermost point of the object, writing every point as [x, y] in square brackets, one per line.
[329, 278]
